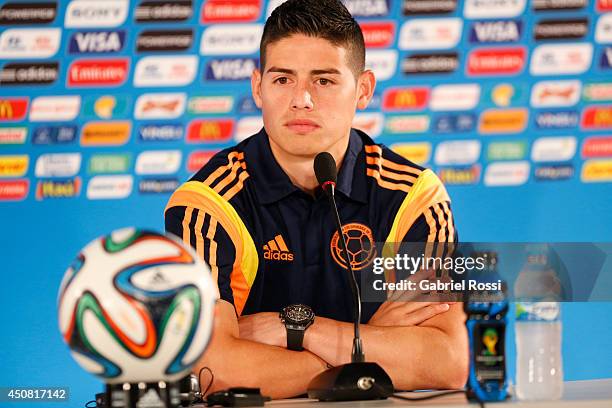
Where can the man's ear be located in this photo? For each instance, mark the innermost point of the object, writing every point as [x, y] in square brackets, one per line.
[365, 88]
[256, 87]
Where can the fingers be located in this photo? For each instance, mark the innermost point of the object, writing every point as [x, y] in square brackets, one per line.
[419, 316]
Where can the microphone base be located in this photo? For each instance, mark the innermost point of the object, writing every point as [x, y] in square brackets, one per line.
[351, 382]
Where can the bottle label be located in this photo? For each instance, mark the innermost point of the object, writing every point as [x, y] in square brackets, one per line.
[538, 311]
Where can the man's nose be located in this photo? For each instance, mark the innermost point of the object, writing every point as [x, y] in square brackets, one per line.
[302, 99]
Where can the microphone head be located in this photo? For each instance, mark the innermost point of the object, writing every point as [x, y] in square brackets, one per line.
[325, 168]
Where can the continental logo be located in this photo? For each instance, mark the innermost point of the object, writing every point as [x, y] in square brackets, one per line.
[503, 121]
[417, 152]
[276, 250]
[597, 117]
[13, 135]
[14, 166]
[13, 109]
[359, 244]
[597, 171]
[105, 133]
[22, 13]
[202, 131]
[596, 147]
[405, 98]
[58, 189]
[14, 190]
[460, 175]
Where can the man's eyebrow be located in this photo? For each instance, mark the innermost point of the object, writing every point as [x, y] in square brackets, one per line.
[328, 71]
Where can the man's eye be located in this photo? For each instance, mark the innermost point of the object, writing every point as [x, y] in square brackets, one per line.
[281, 80]
[324, 81]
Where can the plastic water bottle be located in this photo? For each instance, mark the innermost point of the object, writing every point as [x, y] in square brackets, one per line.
[539, 366]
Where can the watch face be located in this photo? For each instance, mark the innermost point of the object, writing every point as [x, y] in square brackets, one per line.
[299, 314]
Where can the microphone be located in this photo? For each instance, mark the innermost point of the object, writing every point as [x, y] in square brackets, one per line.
[358, 380]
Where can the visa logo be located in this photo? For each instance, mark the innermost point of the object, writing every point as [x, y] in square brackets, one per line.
[496, 31]
[96, 42]
[235, 69]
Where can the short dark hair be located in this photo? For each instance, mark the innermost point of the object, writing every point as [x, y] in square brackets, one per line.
[327, 19]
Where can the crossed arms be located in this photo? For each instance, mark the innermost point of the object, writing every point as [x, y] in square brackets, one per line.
[420, 345]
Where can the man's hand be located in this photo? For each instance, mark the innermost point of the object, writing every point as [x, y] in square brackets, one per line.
[265, 328]
[393, 313]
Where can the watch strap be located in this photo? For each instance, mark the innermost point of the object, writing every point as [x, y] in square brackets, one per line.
[295, 339]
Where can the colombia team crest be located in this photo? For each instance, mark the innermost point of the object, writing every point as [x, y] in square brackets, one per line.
[359, 244]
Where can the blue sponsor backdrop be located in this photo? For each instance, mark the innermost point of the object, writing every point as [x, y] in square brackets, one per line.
[509, 100]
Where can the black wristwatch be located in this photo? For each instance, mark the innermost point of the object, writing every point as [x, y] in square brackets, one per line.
[296, 318]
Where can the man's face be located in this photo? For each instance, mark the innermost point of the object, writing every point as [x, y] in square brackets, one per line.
[308, 95]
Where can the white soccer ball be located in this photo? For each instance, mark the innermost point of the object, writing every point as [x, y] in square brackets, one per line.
[137, 306]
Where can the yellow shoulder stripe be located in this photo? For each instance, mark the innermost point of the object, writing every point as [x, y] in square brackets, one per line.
[194, 194]
[427, 191]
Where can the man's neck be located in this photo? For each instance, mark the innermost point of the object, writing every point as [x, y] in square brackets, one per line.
[300, 169]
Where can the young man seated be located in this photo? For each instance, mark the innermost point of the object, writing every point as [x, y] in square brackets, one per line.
[255, 213]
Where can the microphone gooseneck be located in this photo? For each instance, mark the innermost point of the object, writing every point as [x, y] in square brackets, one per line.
[358, 380]
[327, 174]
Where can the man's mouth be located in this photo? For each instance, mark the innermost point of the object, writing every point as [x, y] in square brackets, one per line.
[302, 126]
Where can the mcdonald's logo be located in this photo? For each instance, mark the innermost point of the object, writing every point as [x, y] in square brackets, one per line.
[210, 131]
[597, 117]
[13, 109]
[406, 98]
